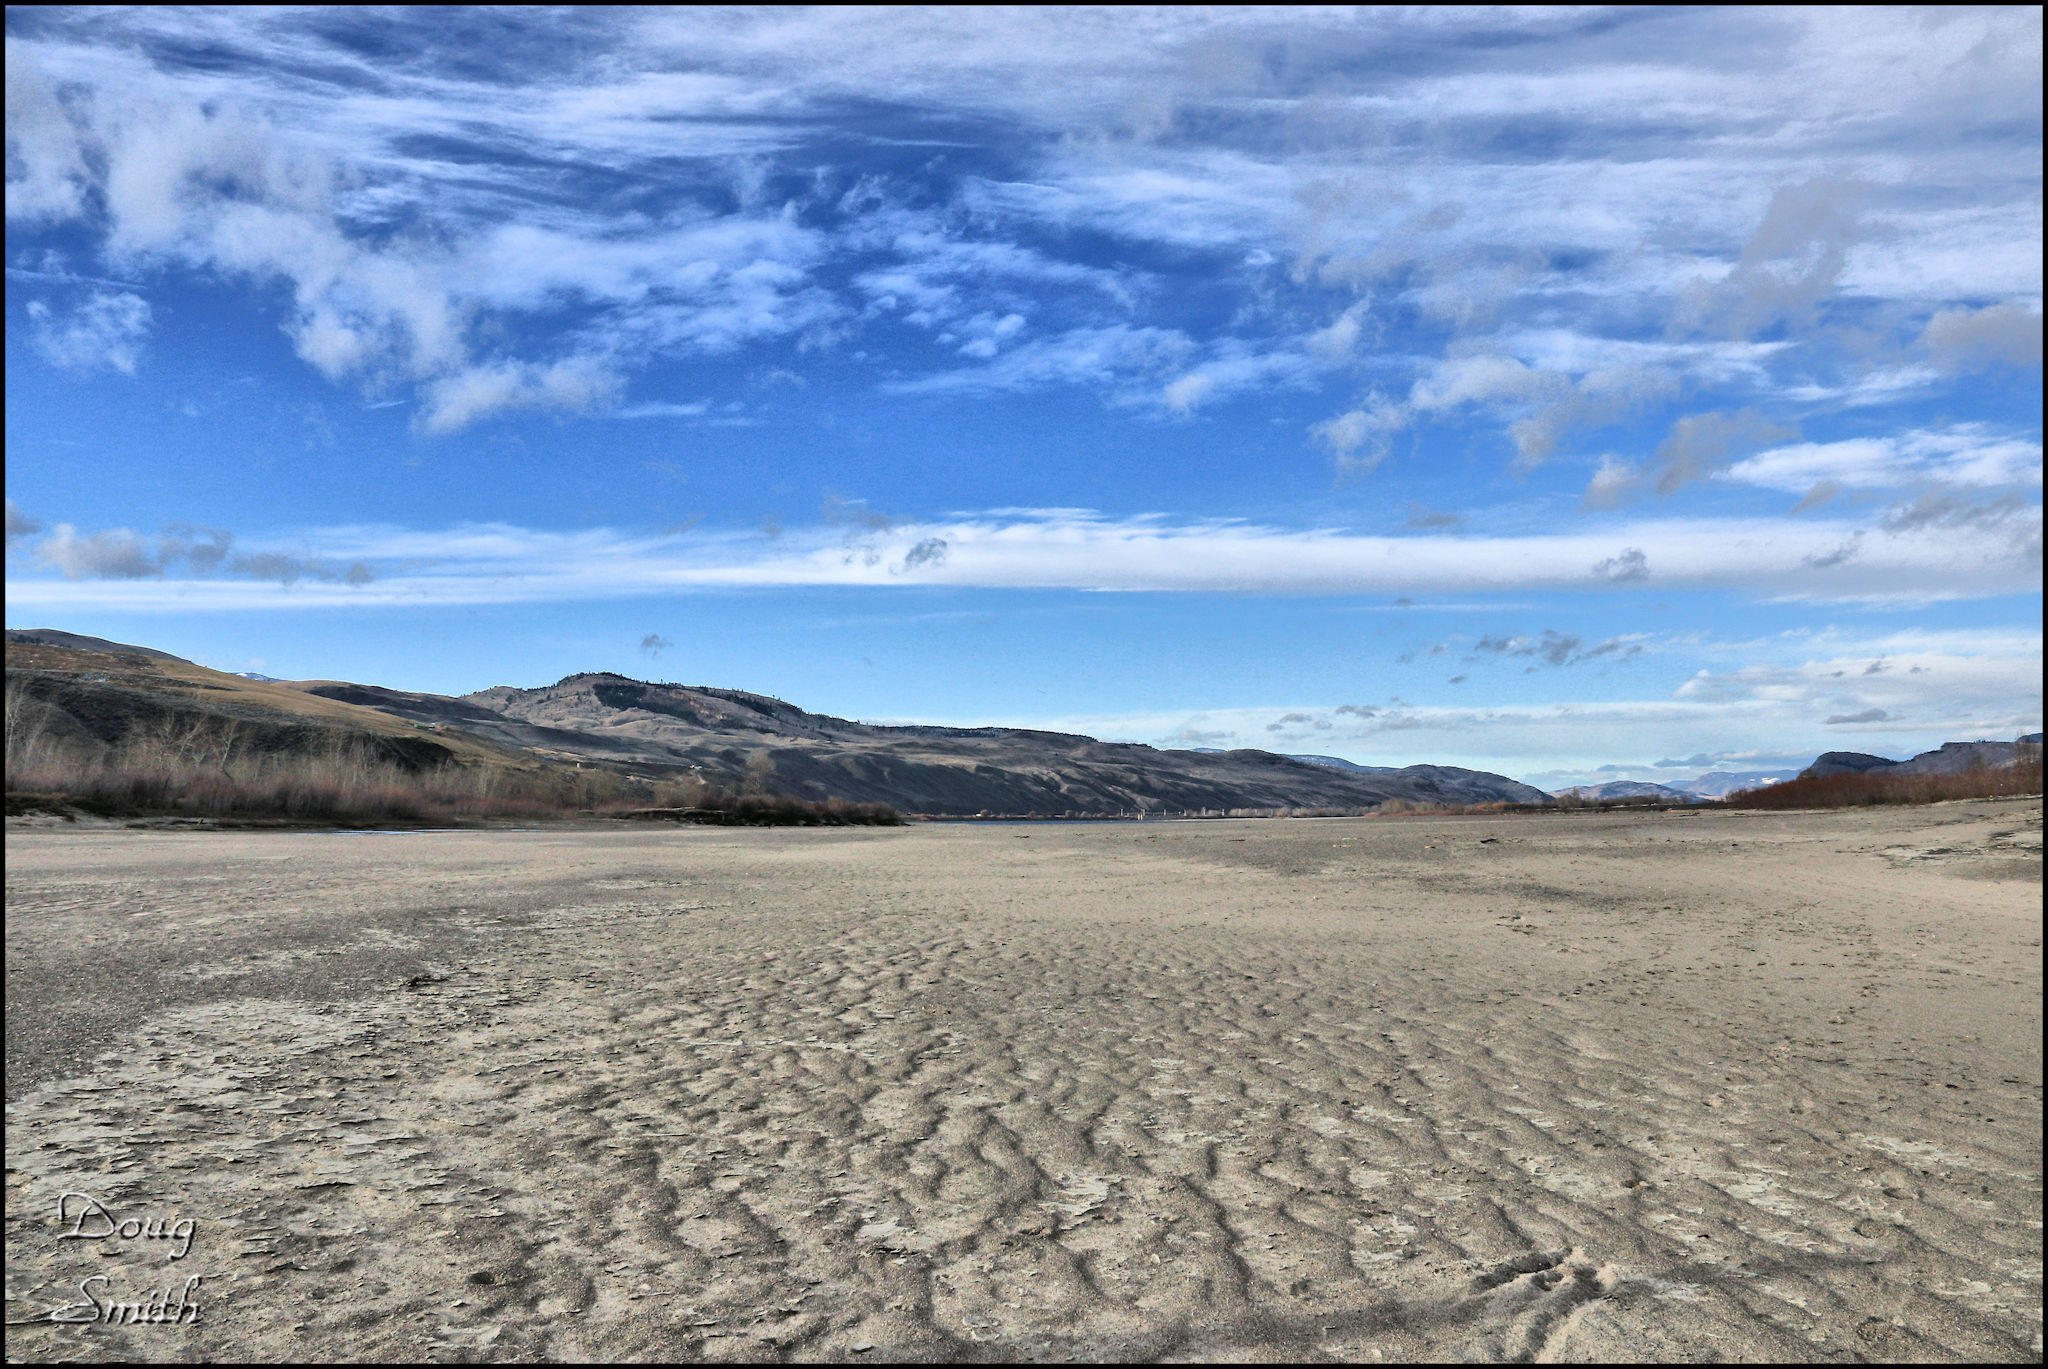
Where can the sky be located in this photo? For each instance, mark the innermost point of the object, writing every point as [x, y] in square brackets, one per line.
[1574, 394]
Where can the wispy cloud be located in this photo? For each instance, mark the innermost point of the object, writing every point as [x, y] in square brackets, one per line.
[629, 188]
[1558, 648]
[103, 331]
[657, 409]
[1969, 454]
[1120, 358]
[122, 554]
[1786, 713]
[1913, 560]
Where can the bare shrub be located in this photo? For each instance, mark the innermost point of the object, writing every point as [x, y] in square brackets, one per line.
[1858, 789]
[200, 765]
[300, 788]
[752, 804]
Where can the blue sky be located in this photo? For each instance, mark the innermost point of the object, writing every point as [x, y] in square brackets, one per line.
[1573, 394]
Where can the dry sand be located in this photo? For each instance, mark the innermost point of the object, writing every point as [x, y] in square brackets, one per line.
[1672, 1086]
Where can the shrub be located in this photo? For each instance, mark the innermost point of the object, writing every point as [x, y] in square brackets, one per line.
[1857, 789]
[707, 800]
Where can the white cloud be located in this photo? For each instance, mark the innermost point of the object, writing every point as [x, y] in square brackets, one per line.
[1337, 342]
[192, 178]
[456, 400]
[1360, 437]
[1549, 403]
[1234, 373]
[1769, 716]
[104, 331]
[1117, 356]
[1911, 691]
[46, 174]
[1900, 559]
[1184, 395]
[1885, 385]
[1967, 454]
[1933, 687]
[1612, 484]
[987, 333]
[663, 409]
[635, 186]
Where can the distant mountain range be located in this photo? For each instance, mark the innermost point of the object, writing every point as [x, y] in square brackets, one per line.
[1335, 763]
[1715, 784]
[666, 728]
[1712, 785]
[96, 691]
[1627, 789]
[1949, 758]
[97, 695]
[1721, 783]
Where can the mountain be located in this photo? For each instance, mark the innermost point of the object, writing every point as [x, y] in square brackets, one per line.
[1947, 759]
[1844, 763]
[1626, 789]
[1448, 778]
[1721, 783]
[1950, 758]
[1460, 785]
[1339, 763]
[670, 729]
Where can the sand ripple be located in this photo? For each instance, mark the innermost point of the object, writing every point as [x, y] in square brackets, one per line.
[1672, 1087]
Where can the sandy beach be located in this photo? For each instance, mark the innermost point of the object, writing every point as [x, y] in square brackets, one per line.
[1680, 1086]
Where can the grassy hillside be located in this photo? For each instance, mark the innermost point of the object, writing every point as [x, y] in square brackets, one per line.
[130, 694]
[120, 733]
[124, 733]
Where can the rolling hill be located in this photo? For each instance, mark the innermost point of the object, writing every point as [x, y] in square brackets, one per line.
[83, 700]
[669, 729]
[94, 701]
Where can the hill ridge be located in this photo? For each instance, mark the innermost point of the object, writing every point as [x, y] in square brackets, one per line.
[661, 728]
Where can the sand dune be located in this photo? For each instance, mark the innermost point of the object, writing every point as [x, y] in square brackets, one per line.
[1744, 1086]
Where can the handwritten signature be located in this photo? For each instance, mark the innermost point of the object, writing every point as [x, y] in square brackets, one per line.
[89, 1219]
[155, 1310]
[112, 1228]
